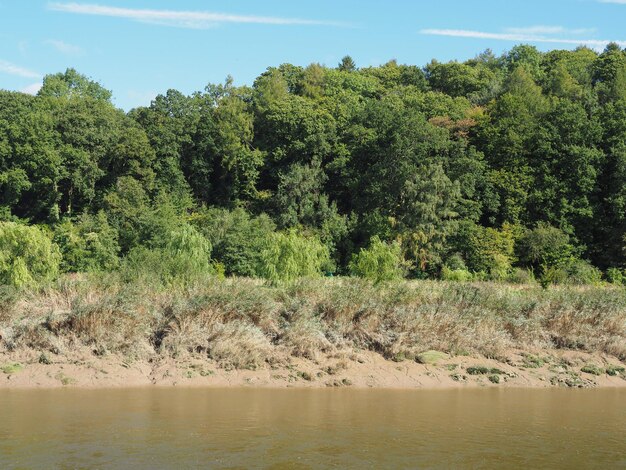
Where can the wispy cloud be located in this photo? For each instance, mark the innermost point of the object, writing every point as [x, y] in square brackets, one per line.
[521, 37]
[619, 2]
[12, 69]
[181, 19]
[544, 29]
[32, 89]
[64, 47]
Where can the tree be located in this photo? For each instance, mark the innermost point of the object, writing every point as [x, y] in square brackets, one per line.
[88, 244]
[72, 84]
[379, 262]
[183, 256]
[27, 256]
[545, 247]
[289, 255]
[237, 237]
[347, 64]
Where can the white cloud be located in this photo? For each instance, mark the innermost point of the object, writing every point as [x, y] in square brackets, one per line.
[12, 69]
[619, 2]
[64, 47]
[32, 89]
[182, 19]
[520, 37]
[543, 29]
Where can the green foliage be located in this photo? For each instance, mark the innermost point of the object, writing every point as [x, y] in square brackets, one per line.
[456, 275]
[379, 262]
[489, 251]
[592, 369]
[615, 276]
[582, 272]
[288, 255]
[88, 244]
[184, 256]
[500, 167]
[237, 238]
[27, 255]
[71, 84]
[545, 247]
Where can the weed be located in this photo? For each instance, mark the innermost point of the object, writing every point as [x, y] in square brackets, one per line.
[615, 370]
[44, 359]
[64, 379]
[592, 369]
[532, 362]
[432, 357]
[305, 375]
[12, 368]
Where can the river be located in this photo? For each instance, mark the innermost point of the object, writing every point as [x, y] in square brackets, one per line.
[345, 428]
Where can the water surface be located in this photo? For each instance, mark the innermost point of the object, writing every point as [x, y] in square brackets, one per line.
[257, 428]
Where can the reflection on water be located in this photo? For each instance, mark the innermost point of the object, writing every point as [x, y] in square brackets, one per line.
[244, 428]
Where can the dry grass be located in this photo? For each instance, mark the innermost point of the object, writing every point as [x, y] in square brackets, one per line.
[245, 323]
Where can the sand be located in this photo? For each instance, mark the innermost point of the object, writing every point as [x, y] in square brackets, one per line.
[363, 369]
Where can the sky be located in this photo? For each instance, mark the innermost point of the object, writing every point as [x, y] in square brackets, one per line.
[139, 49]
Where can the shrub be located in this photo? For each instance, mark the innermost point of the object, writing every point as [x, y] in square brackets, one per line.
[138, 220]
[581, 272]
[90, 244]
[183, 258]
[236, 237]
[380, 262]
[545, 247]
[592, 369]
[27, 255]
[615, 276]
[289, 255]
[521, 276]
[458, 275]
[576, 272]
[491, 251]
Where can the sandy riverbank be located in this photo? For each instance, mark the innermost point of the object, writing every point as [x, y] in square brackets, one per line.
[557, 368]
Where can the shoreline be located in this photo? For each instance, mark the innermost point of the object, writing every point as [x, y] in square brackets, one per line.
[361, 370]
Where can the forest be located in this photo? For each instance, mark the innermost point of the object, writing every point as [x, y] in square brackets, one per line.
[507, 168]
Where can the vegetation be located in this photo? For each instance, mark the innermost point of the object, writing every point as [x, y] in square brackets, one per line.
[247, 323]
[509, 168]
[153, 232]
[27, 255]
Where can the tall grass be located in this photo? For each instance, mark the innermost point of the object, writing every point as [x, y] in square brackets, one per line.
[245, 323]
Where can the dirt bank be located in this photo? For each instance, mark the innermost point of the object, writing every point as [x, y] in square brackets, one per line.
[364, 369]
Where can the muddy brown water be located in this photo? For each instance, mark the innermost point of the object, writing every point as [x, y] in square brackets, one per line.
[261, 428]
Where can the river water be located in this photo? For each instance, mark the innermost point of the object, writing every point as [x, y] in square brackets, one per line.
[258, 428]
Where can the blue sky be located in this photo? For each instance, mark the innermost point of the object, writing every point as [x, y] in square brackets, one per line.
[141, 48]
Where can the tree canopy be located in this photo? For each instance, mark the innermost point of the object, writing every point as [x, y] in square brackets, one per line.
[487, 166]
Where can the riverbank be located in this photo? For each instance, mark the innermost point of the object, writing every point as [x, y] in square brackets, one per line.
[99, 332]
[363, 370]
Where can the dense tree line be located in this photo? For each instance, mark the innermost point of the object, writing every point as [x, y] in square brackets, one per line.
[504, 168]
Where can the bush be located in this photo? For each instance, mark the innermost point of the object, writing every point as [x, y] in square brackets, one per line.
[492, 251]
[183, 258]
[90, 244]
[289, 255]
[615, 276]
[581, 272]
[458, 275]
[545, 247]
[27, 255]
[236, 237]
[380, 262]
[577, 272]
[521, 276]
